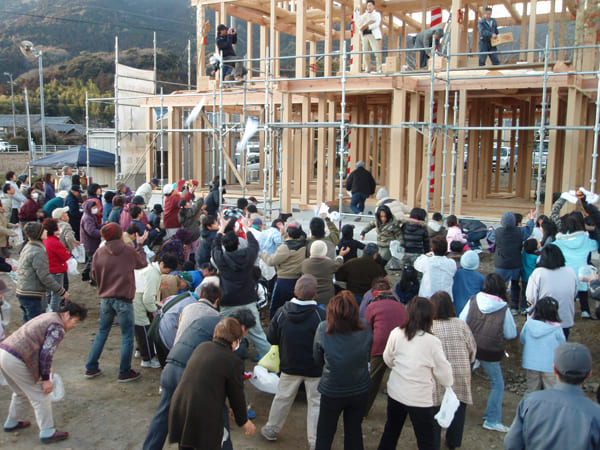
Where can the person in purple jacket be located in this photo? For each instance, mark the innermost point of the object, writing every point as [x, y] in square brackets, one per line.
[89, 233]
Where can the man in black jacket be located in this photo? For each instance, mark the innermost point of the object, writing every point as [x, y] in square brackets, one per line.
[226, 37]
[361, 184]
[235, 268]
[293, 329]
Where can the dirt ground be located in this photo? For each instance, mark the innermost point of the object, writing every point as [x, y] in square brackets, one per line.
[103, 414]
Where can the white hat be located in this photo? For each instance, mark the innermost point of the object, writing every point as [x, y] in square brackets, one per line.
[58, 212]
[318, 249]
[469, 260]
[62, 194]
[167, 189]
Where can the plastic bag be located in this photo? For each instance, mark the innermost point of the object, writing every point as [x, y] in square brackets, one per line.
[396, 250]
[58, 388]
[18, 239]
[264, 381]
[587, 273]
[79, 254]
[450, 404]
[72, 267]
[3, 380]
[5, 313]
[149, 253]
[271, 359]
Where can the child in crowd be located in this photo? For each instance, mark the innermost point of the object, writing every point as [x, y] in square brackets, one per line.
[107, 205]
[436, 226]
[467, 281]
[408, 286]
[347, 240]
[210, 226]
[529, 257]
[540, 336]
[455, 232]
[147, 289]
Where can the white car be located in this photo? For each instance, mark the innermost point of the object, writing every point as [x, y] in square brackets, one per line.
[4, 146]
[504, 159]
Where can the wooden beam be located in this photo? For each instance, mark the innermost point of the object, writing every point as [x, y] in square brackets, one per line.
[286, 152]
[328, 47]
[569, 163]
[331, 154]
[306, 162]
[508, 4]
[414, 163]
[460, 151]
[532, 27]
[456, 31]
[300, 38]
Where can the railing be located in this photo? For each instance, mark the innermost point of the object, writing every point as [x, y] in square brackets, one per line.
[37, 149]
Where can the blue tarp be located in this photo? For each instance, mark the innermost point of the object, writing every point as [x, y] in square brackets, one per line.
[77, 157]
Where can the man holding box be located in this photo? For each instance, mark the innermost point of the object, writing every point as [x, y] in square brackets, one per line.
[488, 30]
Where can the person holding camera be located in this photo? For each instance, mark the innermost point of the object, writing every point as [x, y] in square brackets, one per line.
[226, 37]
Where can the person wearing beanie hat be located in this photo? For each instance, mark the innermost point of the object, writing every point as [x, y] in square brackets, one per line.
[33, 274]
[562, 417]
[361, 184]
[323, 269]
[295, 324]
[113, 268]
[138, 200]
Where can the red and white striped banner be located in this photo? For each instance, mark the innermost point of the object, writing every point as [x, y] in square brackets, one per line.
[435, 19]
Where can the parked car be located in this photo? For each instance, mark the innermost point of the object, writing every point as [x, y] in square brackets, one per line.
[4, 146]
[504, 159]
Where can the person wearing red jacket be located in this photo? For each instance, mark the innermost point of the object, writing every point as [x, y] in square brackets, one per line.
[57, 258]
[172, 198]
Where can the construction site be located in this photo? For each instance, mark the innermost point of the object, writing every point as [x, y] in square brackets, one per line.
[455, 137]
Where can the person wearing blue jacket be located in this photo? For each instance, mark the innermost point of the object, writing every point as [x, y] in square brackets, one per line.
[540, 336]
[488, 29]
[576, 246]
[467, 281]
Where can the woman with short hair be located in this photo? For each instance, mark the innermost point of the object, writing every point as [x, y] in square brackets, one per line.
[26, 358]
[416, 358]
[342, 346]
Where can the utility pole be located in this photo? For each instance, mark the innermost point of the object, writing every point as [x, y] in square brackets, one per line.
[12, 100]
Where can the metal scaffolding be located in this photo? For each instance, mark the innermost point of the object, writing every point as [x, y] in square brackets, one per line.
[272, 124]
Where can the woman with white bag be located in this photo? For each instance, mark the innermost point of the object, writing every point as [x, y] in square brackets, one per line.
[460, 349]
[67, 238]
[417, 360]
[26, 364]
[57, 258]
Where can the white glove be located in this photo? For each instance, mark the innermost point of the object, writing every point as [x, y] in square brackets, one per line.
[569, 196]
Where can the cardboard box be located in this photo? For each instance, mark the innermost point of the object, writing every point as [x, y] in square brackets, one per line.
[504, 38]
[440, 63]
[392, 64]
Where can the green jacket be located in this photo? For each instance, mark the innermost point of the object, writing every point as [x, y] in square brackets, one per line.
[386, 232]
[33, 275]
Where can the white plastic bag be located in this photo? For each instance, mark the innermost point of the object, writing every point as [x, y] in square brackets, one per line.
[18, 239]
[397, 250]
[450, 404]
[58, 388]
[264, 381]
[149, 253]
[72, 267]
[79, 254]
[5, 312]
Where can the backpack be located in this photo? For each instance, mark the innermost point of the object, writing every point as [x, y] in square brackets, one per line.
[153, 331]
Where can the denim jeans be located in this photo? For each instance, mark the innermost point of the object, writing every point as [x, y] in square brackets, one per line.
[357, 204]
[55, 299]
[493, 411]
[159, 427]
[31, 306]
[256, 333]
[109, 308]
[474, 238]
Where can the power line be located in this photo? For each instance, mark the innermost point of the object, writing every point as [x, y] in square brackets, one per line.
[68, 19]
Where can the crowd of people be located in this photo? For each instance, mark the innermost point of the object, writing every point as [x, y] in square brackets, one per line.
[186, 281]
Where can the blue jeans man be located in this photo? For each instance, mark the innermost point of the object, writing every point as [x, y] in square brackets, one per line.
[493, 410]
[357, 204]
[109, 308]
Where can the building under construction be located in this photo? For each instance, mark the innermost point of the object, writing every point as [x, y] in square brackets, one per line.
[429, 137]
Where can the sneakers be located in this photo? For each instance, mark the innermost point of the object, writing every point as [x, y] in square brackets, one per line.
[152, 364]
[585, 315]
[93, 373]
[137, 354]
[18, 426]
[495, 427]
[127, 377]
[57, 436]
[268, 433]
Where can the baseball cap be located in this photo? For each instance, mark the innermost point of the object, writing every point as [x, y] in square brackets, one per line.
[573, 359]
[59, 212]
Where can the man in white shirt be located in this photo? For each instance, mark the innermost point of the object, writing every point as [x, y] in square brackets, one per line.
[371, 36]
[66, 180]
